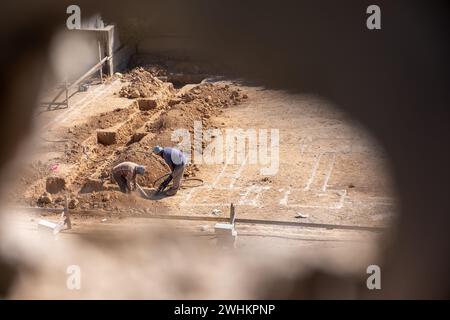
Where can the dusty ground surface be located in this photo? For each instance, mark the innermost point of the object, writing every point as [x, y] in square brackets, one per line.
[328, 170]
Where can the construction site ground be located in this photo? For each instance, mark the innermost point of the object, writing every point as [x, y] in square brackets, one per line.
[330, 170]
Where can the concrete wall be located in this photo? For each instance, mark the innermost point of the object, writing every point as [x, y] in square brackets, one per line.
[170, 46]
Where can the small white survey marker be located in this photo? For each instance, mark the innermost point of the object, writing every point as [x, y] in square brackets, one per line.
[45, 225]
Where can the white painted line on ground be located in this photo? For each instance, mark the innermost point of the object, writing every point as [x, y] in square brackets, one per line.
[219, 176]
[284, 200]
[255, 201]
[188, 197]
[258, 190]
[238, 173]
[304, 144]
[244, 197]
[313, 173]
[325, 183]
[341, 201]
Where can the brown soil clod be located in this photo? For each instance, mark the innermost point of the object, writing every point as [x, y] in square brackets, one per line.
[44, 199]
[174, 101]
[121, 132]
[137, 136]
[92, 185]
[147, 104]
[73, 203]
[107, 136]
[55, 184]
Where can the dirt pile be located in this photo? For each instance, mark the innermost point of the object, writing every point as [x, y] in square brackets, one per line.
[143, 84]
[200, 103]
[179, 72]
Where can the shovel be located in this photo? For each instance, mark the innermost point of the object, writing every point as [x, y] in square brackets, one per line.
[142, 190]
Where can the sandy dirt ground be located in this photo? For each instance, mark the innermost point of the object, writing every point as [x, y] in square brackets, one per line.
[328, 171]
[329, 168]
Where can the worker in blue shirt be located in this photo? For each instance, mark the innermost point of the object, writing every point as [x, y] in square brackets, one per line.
[176, 160]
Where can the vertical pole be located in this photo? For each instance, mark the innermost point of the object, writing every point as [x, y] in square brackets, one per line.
[109, 48]
[67, 221]
[67, 93]
[232, 214]
[100, 59]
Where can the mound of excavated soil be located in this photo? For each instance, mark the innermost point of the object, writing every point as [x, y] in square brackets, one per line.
[200, 103]
[142, 84]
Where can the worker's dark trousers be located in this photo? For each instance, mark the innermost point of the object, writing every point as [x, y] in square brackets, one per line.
[121, 181]
[177, 174]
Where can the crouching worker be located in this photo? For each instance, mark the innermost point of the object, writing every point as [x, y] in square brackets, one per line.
[176, 160]
[125, 175]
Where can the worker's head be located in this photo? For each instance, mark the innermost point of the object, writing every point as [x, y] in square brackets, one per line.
[157, 149]
[140, 170]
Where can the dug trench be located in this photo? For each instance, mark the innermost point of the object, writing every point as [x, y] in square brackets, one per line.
[93, 148]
